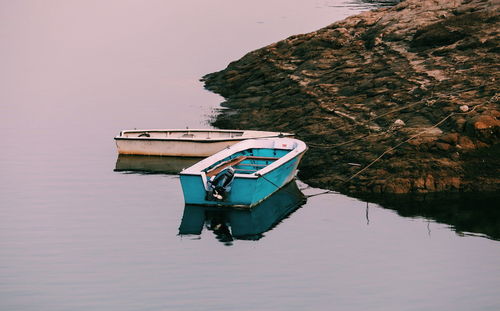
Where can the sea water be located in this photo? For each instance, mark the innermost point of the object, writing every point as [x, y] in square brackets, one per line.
[77, 235]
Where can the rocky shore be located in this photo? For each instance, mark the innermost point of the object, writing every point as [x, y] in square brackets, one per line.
[402, 99]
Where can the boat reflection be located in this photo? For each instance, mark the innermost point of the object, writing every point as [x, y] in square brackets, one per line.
[153, 164]
[229, 224]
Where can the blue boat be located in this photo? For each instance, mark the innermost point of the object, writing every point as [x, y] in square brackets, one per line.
[243, 174]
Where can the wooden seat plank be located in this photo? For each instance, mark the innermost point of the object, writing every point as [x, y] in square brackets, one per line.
[221, 167]
[237, 161]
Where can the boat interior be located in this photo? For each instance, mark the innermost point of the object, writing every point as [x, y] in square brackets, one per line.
[247, 161]
[187, 134]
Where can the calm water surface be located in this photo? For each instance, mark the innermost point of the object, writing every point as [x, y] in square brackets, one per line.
[77, 235]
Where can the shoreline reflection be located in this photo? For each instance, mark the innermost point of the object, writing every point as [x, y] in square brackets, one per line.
[468, 214]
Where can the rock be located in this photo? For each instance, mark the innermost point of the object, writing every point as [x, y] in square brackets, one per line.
[398, 186]
[429, 183]
[485, 122]
[466, 143]
[418, 185]
[443, 146]
[351, 84]
[460, 124]
[450, 138]
[484, 127]
[377, 189]
[455, 182]
[464, 108]
[399, 122]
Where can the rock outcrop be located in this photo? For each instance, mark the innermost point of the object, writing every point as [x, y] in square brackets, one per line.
[397, 100]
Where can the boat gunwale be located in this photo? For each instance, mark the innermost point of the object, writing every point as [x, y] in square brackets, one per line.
[275, 165]
[253, 175]
[197, 140]
[268, 134]
[189, 130]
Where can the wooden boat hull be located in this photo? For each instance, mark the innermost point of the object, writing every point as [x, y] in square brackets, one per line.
[183, 143]
[247, 190]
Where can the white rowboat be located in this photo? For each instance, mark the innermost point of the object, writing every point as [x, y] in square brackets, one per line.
[185, 142]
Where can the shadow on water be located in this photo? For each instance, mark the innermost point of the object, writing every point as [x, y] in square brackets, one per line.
[229, 224]
[468, 214]
[379, 3]
[153, 164]
[370, 4]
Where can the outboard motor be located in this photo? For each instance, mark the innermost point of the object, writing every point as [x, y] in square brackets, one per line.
[220, 185]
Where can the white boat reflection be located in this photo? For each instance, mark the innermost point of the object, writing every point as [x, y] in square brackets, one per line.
[229, 224]
[153, 164]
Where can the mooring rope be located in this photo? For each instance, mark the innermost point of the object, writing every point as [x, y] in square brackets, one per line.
[494, 98]
[305, 196]
[278, 187]
[314, 145]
